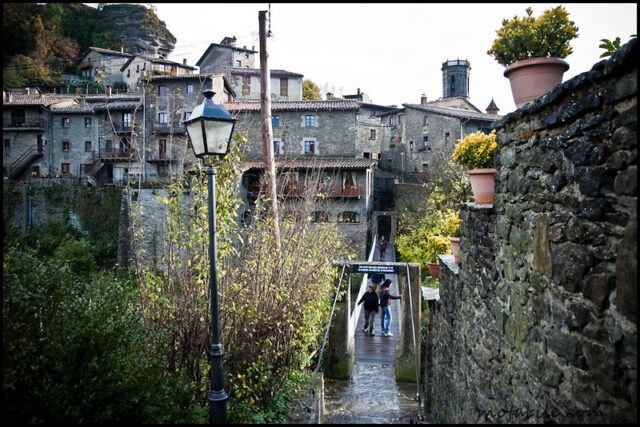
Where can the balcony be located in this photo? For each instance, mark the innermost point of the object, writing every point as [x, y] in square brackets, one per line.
[30, 124]
[117, 154]
[348, 191]
[122, 128]
[168, 128]
[162, 157]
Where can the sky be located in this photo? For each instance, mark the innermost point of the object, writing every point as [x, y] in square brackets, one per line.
[393, 52]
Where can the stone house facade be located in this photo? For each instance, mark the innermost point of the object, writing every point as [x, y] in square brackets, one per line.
[138, 66]
[285, 85]
[415, 132]
[104, 65]
[310, 138]
[220, 57]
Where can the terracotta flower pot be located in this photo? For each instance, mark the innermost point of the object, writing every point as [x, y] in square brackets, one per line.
[434, 269]
[482, 184]
[455, 247]
[531, 78]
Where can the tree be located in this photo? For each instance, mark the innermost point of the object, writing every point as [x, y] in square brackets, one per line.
[310, 91]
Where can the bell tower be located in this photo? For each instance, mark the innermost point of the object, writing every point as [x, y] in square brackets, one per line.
[455, 78]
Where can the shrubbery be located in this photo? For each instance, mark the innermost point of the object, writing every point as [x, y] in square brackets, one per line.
[74, 346]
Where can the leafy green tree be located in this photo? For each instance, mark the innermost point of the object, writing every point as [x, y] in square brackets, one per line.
[310, 91]
[611, 46]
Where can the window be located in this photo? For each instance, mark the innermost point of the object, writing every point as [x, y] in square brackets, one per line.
[246, 84]
[65, 122]
[452, 84]
[108, 57]
[238, 63]
[189, 88]
[35, 171]
[87, 146]
[275, 121]
[163, 91]
[162, 118]
[320, 216]
[161, 67]
[138, 68]
[348, 217]
[366, 155]
[426, 121]
[425, 141]
[17, 117]
[185, 115]
[309, 147]
[348, 179]
[309, 121]
[108, 144]
[399, 120]
[162, 148]
[87, 122]
[411, 145]
[126, 120]
[284, 87]
[128, 73]
[65, 168]
[108, 70]
[391, 120]
[66, 146]
[446, 137]
[276, 146]
[373, 113]
[7, 144]
[372, 134]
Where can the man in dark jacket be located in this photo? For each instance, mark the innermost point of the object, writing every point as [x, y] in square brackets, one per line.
[385, 302]
[382, 247]
[370, 299]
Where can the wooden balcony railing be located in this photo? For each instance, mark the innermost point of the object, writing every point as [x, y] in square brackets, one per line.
[24, 124]
[117, 153]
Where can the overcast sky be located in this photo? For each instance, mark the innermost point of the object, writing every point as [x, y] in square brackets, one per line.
[392, 52]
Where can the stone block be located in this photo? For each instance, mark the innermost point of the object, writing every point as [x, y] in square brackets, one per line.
[626, 182]
[564, 345]
[592, 209]
[556, 182]
[626, 273]
[570, 263]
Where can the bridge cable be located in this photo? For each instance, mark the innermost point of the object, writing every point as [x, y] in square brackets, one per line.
[415, 353]
[307, 410]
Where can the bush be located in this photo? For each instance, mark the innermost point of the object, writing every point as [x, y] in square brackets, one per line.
[452, 226]
[75, 349]
[436, 245]
[475, 151]
[528, 37]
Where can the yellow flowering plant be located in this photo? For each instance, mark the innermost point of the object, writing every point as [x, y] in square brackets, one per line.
[436, 245]
[452, 226]
[475, 151]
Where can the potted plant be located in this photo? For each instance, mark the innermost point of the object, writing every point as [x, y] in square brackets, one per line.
[452, 229]
[435, 245]
[532, 49]
[475, 154]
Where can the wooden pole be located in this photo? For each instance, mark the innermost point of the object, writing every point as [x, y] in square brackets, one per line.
[267, 130]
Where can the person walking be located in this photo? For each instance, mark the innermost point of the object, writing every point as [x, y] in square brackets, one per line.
[382, 246]
[385, 303]
[376, 279]
[370, 299]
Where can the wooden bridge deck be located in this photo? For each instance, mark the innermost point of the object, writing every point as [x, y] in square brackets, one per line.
[378, 348]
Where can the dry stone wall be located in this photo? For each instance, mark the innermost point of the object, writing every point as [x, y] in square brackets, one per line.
[539, 322]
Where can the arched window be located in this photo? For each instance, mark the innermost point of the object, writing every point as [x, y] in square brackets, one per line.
[452, 83]
[348, 217]
[320, 216]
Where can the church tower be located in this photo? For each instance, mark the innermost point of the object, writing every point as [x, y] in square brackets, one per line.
[455, 78]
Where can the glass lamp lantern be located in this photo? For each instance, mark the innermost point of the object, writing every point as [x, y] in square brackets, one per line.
[210, 127]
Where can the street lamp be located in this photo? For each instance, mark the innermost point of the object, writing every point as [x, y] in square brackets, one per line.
[210, 127]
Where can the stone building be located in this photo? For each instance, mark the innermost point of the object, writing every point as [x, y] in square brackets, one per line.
[135, 69]
[413, 134]
[239, 66]
[103, 65]
[313, 137]
[167, 104]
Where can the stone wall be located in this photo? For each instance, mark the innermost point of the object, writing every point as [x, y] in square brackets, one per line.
[539, 323]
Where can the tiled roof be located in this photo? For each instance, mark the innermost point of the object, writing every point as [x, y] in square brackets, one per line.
[155, 60]
[91, 107]
[256, 71]
[35, 100]
[108, 51]
[295, 106]
[312, 163]
[454, 112]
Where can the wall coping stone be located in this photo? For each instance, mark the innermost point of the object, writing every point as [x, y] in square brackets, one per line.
[430, 294]
[450, 263]
[617, 63]
[478, 206]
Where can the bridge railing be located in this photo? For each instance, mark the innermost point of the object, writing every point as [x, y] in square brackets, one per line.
[355, 314]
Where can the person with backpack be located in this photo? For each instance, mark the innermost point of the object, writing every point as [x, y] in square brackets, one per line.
[382, 246]
[370, 299]
[376, 279]
[385, 303]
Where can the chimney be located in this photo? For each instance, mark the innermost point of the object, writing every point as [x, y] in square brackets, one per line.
[28, 91]
[423, 100]
[253, 47]
[358, 91]
[184, 61]
[82, 102]
[121, 49]
[329, 95]
[108, 90]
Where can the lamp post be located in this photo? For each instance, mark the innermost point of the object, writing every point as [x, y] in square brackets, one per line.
[210, 127]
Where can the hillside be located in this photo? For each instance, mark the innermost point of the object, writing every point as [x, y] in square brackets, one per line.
[42, 41]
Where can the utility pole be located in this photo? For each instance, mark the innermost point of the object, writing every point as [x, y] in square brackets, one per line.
[267, 130]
